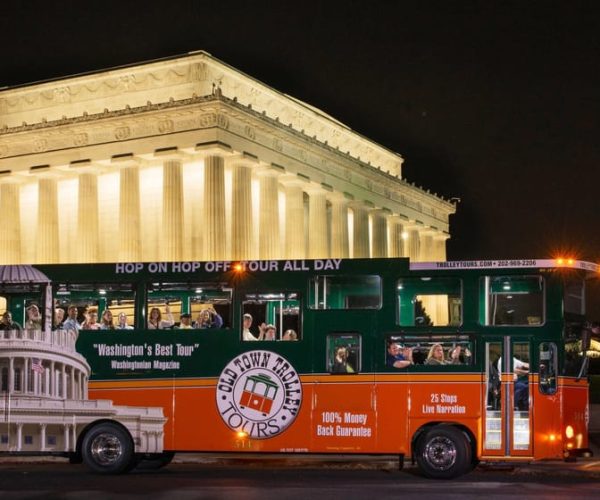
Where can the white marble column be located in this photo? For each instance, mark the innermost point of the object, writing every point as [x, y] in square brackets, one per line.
[63, 374]
[340, 246]
[71, 393]
[66, 437]
[360, 237]
[19, 437]
[269, 242]
[10, 229]
[426, 250]
[413, 244]
[396, 241]
[295, 242]
[214, 207]
[439, 245]
[171, 239]
[42, 437]
[379, 234]
[11, 375]
[318, 243]
[47, 225]
[87, 218]
[53, 389]
[130, 237]
[26, 369]
[241, 212]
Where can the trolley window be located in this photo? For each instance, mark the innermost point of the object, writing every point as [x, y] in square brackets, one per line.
[344, 353]
[271, 316]
[429, 301]
[345, 292]
[98, 304]
[190, 305]
[512, 300]
[433, 351]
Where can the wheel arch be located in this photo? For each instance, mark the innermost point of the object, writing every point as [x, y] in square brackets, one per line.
[89, 427]
[421, 431]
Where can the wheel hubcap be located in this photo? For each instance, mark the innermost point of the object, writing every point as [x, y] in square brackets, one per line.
[106, 449]
[440, 453]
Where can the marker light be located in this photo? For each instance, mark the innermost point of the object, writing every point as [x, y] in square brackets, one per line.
[238, 268]
[552, 437]
[242, 434]
[560, 262]
[569, 432]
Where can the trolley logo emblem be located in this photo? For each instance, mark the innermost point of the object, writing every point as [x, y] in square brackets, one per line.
[259, 393]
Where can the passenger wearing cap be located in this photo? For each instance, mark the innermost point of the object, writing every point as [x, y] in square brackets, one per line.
[185, 322]
[397, 355]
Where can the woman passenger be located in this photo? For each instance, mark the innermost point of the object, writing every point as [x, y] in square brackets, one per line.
[91, 320]
[208, 318]
[107, 320]
[155, 321]
[436, 355]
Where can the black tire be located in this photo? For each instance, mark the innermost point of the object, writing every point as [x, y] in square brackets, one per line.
[155, 461]
[108, 449]
[444, 452]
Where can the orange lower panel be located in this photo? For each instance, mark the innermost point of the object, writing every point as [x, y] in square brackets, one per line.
[350, 415]
[357, 414]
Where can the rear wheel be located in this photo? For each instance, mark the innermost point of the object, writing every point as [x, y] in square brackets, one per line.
[108, 449]
[444, 452]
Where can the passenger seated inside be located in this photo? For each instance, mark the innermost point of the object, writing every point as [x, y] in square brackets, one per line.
[185, 322]
[340, 361]
[290, 335]
[34, 318]
[156, 322]
[398, 356]
[208, 318]
[122, 322]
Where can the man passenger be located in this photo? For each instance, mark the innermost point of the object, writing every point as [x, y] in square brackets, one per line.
[7, 323]
[71, 322]
[185, 322]
[398, 356]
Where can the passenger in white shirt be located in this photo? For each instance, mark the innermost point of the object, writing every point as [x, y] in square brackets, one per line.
[246, 333]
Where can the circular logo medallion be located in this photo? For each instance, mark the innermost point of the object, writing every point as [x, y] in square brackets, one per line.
[259, 393]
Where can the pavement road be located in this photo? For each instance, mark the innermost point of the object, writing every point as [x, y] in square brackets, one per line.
[283, 479]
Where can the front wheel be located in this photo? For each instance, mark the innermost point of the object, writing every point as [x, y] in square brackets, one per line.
[443, 452]
[108, 449]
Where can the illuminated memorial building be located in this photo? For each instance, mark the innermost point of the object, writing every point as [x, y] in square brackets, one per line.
[189, 159]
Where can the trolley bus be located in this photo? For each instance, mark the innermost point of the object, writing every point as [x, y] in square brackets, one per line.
[445, 363]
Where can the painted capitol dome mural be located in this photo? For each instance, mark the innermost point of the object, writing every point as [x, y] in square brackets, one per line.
[44, 382]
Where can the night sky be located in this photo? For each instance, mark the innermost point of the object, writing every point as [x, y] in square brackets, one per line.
[494, 102]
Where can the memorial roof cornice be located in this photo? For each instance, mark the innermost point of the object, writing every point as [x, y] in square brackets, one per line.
[180, 76]
[262, 118]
